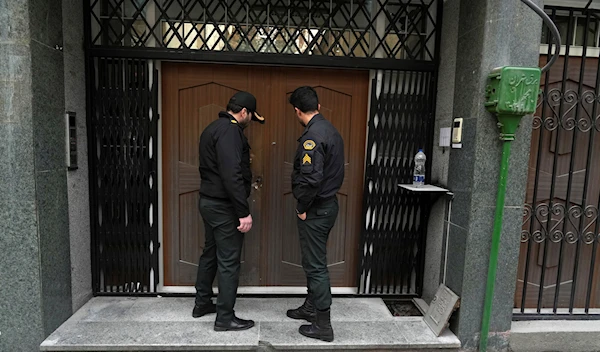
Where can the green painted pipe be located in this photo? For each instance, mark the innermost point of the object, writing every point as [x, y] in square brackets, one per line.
[491, 281]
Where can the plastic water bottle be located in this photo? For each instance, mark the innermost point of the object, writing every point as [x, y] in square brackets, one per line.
[419, 172]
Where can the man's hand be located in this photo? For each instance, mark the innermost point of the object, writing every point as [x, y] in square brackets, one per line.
[245, 224]
[302, 216]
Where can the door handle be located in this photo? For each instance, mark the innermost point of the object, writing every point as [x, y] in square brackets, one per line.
[258, 183]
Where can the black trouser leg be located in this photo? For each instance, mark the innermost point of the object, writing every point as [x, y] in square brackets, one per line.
[220, 217]
[229, 250]
[314, 232]
[207, 267]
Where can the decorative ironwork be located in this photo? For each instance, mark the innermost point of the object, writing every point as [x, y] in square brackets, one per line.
[397, 29]
[569, 101]
[123, 175]
[558, 273]
[395, 221]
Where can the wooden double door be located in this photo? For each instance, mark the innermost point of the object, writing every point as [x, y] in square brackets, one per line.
[192, 96]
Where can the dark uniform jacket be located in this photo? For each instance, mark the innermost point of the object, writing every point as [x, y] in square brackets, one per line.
[319, 164]
[225, 163]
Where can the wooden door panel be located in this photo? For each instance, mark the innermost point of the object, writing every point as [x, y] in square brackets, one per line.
[290, 252]
[189, 178]
[193, 95]
[343, 102]
[336, 107]
[199, 106]
[191, 229]
[348, 181]
[336, 246]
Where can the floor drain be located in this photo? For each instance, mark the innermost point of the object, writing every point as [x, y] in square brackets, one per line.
[400, 308]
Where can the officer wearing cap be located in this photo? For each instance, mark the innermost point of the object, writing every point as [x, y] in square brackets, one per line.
[318, 175]
[224, 191]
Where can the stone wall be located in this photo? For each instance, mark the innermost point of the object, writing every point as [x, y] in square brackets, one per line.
[35, 295]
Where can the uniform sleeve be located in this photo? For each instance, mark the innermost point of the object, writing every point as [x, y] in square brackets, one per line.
[312, 158]
[229, 148]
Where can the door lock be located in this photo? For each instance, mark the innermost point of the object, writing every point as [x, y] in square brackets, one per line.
[258, 183]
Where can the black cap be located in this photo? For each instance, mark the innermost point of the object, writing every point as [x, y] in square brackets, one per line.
[248, 101]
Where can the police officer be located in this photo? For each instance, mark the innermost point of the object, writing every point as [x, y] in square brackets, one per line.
[224, 191]
[318, 175]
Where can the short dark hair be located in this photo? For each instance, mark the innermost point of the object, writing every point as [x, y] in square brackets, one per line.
[305, 99]
[234, 108]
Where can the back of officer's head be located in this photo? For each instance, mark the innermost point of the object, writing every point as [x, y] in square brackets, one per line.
[234, 108]
[305, 99]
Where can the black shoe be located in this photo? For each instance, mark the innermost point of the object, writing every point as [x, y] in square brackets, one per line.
[320, 328]
[306, 311]
[202, 310]
[235, 324]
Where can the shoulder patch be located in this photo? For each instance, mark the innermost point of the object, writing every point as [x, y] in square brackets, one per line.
[309, 144]
[233, 121]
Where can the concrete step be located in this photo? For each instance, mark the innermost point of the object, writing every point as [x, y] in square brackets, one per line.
[555, 335]
[166, 324]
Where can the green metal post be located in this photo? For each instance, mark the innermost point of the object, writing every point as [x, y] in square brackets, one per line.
[489, 293]
[511, 93]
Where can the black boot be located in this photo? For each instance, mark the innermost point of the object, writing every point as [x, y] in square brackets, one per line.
[320, 328]
[306, 311]
[200, 311]
[236, 324]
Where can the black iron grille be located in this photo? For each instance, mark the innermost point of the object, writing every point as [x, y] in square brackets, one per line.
[123, 175]
[400, 29]
[393, 238]
[559, 273]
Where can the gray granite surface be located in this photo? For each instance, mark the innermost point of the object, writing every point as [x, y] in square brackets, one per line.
[34, 234]
[166, 324]
[77, 180]
[491, 33]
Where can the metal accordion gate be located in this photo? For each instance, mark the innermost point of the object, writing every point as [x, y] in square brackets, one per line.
[559, 272]
[123, 150]
[125, 40]
[395, 221]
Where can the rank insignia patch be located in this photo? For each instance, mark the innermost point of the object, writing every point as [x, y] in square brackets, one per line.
[306, 159]
[309, 144]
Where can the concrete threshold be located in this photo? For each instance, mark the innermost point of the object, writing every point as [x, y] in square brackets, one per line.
[166, 324]
[555, 335]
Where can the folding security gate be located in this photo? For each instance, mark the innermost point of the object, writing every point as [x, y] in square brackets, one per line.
[393, 243]
[123, 149]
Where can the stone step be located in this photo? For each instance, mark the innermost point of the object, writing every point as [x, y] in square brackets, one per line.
[555, 335]
[166, 324]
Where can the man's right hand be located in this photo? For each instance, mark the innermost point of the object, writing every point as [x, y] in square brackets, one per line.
[245, 224]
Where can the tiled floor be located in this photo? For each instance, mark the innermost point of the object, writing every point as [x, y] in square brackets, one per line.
[166, 324]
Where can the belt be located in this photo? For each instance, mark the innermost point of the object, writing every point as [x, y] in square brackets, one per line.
[321, 201]
[215, 198]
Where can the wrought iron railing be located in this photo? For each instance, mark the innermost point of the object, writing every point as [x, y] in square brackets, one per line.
[559, 268]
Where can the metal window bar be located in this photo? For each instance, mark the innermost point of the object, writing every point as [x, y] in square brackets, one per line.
[558, 276]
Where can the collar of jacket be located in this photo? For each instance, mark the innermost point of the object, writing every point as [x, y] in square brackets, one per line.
[317, 117]
[225, 114]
